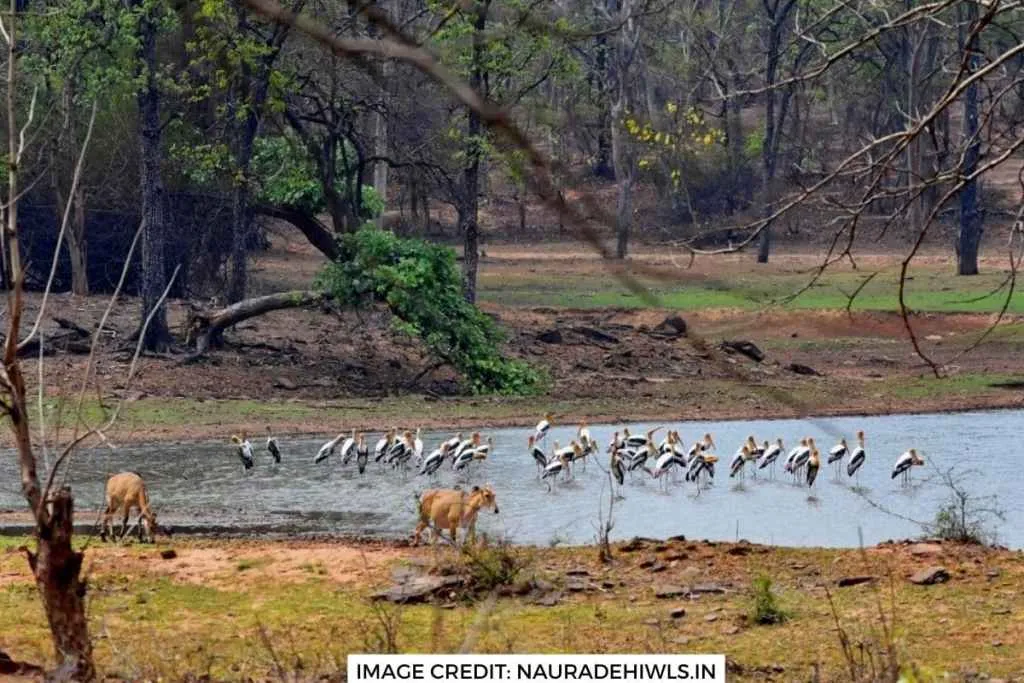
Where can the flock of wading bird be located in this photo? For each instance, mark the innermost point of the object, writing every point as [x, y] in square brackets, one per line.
[629, 455]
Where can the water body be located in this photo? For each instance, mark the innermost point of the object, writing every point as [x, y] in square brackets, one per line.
[202, 487]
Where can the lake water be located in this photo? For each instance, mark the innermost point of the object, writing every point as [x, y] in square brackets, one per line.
[202, 486]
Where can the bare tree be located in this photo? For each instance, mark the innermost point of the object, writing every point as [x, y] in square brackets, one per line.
[55, 564]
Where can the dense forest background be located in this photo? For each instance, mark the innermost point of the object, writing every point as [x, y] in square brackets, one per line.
[708, 125]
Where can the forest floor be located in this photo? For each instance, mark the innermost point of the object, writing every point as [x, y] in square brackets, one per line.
[248, 610]
[317, 371]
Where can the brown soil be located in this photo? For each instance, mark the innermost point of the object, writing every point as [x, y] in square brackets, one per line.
[362, 564]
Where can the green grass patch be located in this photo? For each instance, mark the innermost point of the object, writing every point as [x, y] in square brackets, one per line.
[965, 384]
[928, 289]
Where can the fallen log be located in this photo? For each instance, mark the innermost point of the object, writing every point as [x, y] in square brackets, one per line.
[203, 325]
[72, 338]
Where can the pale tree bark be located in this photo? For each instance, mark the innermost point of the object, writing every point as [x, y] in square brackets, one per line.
[971, 221]
[625, 177]
[77, 245]
[55, 565]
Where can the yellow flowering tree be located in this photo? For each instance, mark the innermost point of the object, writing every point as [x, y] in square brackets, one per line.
[683, 153]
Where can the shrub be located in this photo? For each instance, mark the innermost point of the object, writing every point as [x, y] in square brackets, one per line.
[965, 517]
[492, 566]
[766, 609]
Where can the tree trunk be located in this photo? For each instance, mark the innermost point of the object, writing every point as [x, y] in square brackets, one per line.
[467, 211]
[969, 237]
[777, 12]
[205, 325]
[78, 248]
[603, 164]
[314, 231]
[154, 222]
[469, 201]
[380, 168]
[624, 175]
[57, 567]
[76, 224]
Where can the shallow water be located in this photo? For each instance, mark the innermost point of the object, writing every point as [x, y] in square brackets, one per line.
[202, 486]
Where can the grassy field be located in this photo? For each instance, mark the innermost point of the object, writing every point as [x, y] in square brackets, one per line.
[234, 610]
[930, 288]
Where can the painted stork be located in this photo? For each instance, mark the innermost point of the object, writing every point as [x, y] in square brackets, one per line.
[836, 455]
[706, 443]
[433, 462]
[703, 465]
[771, 454]
[554, 468]
[451, 444]
[904, 464]
[272, 448]
[572, 451]
[794, 453]
[383, 445]
[738, 461]
[327, 450]
[662, 463]
[466, 444]
[464, 453]
[857, 457]
[348, 449]
[637, 440]
[584, 437]
[813, 463]
[481, 452]
[244, 451]
[417, 447]
[543, 427]
[362, 454]
[618, 468]
[537, 453]
[800, 461]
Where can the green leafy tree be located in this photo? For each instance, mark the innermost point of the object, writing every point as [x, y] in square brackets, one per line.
[484, 42]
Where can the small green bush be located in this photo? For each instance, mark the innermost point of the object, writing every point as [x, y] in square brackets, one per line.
[766, 609]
